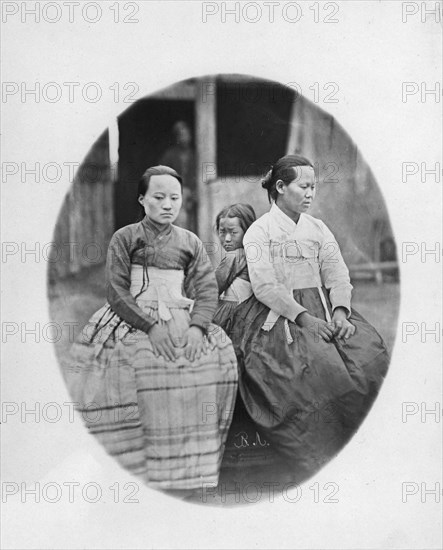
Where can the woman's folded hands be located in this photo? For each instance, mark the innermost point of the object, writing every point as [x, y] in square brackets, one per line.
[164, 345]
[343, 329]
[339, 328]
[195, 343]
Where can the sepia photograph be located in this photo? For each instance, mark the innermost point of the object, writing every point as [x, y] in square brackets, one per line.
[224, 349]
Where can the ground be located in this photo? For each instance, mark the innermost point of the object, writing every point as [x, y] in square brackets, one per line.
[73, 300]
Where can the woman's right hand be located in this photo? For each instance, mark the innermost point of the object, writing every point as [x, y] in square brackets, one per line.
[162, 342]
[316, 326]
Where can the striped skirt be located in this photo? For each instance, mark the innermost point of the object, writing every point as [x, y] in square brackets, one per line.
[164, 421]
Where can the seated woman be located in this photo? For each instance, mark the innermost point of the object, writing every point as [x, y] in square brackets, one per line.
[152, 386]
[310, 365]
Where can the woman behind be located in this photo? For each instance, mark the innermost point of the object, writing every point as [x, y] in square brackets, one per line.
[152, 387]
[245, 447]
[232, 275]
[310, 366]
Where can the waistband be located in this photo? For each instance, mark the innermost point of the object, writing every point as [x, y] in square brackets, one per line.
[163, 286]
[239, 291]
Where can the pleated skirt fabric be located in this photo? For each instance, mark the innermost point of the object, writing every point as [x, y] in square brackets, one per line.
[164, 421]
[246, 446]
[307, 396]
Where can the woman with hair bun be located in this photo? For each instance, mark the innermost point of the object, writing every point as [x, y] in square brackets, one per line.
[153, 379]
[310, 365]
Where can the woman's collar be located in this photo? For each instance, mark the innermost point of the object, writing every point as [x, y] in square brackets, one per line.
[155, 227]
[282, 219]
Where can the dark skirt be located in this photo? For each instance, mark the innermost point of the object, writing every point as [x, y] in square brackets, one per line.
[246, 446]
[224, 315]
[307, 397]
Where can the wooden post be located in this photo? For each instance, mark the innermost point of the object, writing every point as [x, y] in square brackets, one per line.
[206, 152]
[296, 130]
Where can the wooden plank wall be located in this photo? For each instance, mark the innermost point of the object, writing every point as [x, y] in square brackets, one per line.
[348, 198]
[86, 221]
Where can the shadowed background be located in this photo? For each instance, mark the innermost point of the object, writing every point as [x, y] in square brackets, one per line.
[237, 127]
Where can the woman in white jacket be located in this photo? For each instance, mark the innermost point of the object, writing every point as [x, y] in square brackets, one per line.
[310, 366]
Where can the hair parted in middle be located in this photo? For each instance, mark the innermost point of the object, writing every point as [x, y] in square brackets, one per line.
[143, 184]
[244, 212]
[285, 170]
[160, 170]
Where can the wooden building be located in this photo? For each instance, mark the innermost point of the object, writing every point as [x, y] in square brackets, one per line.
[240, 126]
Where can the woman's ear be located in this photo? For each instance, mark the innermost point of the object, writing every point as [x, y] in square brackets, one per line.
[280, 187]
[140, 199]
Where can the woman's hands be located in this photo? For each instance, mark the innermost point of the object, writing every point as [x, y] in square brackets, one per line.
[343, 329]
[316, 326]
[164, 346]
[195, 343]
[339, 328]
[162, 342]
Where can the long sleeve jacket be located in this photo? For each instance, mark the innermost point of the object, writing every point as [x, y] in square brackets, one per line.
[169, 247]
[283, 255]
[233, 265]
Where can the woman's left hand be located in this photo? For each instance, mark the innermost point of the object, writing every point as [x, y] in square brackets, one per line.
[343, 329]
[195, 343]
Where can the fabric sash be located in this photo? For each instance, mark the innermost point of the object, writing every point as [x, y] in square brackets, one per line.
[239, 291]
[163, 286]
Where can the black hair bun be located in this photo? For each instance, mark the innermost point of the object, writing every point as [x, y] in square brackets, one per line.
[266, 182]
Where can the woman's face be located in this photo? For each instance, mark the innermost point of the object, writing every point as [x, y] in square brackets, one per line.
[230, 234]
[296, 197]
[182, 134]
[163, 199]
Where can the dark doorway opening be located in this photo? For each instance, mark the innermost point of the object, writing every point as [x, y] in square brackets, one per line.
[144, 135]
[252, 126]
